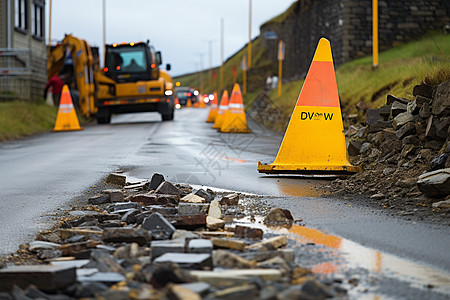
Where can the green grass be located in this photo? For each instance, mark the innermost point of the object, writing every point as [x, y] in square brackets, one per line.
[19, 119]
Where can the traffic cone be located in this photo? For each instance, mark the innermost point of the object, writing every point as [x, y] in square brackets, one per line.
[314, 142]
[213, 110]
[234, 119]
[201, 103]
[67, 117]
[177, 103]
[189, 102]
[223, 107]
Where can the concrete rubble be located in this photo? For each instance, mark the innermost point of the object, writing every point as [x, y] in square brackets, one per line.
[162, 240]
[398, 146]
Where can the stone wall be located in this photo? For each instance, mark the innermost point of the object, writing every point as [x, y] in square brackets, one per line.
[348, 25]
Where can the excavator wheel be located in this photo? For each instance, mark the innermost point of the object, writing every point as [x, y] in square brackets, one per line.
[103, 116]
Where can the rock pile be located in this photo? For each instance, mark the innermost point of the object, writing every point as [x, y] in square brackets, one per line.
[404, 148]
[160, 240]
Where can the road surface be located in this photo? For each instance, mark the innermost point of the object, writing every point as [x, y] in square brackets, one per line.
[47, 172]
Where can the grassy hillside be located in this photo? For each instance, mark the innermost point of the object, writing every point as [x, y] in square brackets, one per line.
[400, 68]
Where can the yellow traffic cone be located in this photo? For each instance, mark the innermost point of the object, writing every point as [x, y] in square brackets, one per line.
[314, 142]
[67, 117]
[213, 110]
[221, 112]
[234, 119]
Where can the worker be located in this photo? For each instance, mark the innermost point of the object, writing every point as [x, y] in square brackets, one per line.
[56, 83]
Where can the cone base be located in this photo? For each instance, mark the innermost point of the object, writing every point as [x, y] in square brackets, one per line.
[234, 130]
[67, 129]
[308, 169]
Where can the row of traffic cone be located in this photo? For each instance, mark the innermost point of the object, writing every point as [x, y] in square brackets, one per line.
[229, 116]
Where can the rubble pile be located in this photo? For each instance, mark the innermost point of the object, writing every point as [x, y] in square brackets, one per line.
[160, 240]
[404, 150]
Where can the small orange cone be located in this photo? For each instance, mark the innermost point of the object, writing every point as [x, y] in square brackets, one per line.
[66, 119]
[234, 119]
[189, 103]
[314, 142]
[223, 107]
[201, 103]
[213, 110]
[177, 103]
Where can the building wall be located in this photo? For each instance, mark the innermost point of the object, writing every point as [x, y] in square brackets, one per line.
[348, 26]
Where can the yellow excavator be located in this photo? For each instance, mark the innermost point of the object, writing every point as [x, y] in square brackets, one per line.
[131, 80]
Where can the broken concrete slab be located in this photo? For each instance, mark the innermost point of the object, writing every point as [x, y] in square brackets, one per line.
[199, 246]
[158, 248]
[160, 227]
[187, 260]
[44, 277]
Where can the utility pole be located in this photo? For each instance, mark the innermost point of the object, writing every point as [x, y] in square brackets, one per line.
[250, 34]
[375, 33]
[104, 32]
[49, 27]
[210, 56]
[201, 70]
[221, 53]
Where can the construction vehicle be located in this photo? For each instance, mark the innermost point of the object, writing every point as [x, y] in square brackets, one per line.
[130, 81]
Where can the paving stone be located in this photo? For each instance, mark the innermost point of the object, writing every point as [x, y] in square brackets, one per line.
[187, 260]
[246, 232]
[41, 245]
[214, 223]
[207, 195]
[168, 188]
[190, 222]
[199, 246]
[114, 195]
[159, 226]
[44, 277]
[270, 244]
[99, 199]
[215, 210]
[126, 235]
[103, 277]
[158, 248]
[228, 244]
[193, 208]
[223, 278]
[117, 179]
[192, 198]
[156, 181]
[227, 259]
[230, 199]
[155, 199]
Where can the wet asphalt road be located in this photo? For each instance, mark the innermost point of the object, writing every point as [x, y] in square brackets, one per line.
[47, 172]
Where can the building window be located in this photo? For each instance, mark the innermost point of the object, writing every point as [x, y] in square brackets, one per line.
[21, 14]
[37, 20]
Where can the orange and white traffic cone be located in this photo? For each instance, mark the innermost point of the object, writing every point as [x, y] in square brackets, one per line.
[213, 110]
[223, 107]
[234, 119]
[189, 102]
[66, 119]
[314, 142]
[177, 103]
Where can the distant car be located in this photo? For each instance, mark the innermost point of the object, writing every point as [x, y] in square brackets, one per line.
[185, 93]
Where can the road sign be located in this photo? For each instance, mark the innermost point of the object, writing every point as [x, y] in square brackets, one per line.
[270, 35]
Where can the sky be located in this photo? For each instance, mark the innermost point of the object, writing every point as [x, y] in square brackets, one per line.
[180, 29]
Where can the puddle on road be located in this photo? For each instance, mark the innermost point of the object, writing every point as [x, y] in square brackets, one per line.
[344, 255]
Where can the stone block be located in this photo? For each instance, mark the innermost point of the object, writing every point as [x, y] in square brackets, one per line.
[168, 188]
[207, 195]
[390, 99]
[246, 232]
[158, 248]
[155, 199]
[117, 179]
[441, 100]
[160, 227]
[126, 235]
[270, 244]
[228, 244]
[214, 223]
[372, 116]
[114, 195]
[99, 199]
[435, 183]
[277, 215]
[103, 277]
[185, 208]
[215, 210]
[227, 259]
[189, 222]
[45, 277]
[186, 260]
[402, 119]
[379, 126]
[156, 181]
[199, 246]
[423, 90]
[230, 199]
[123, 206]
[408, 129]
[192, 198]
[385, 111]
[130, 216]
